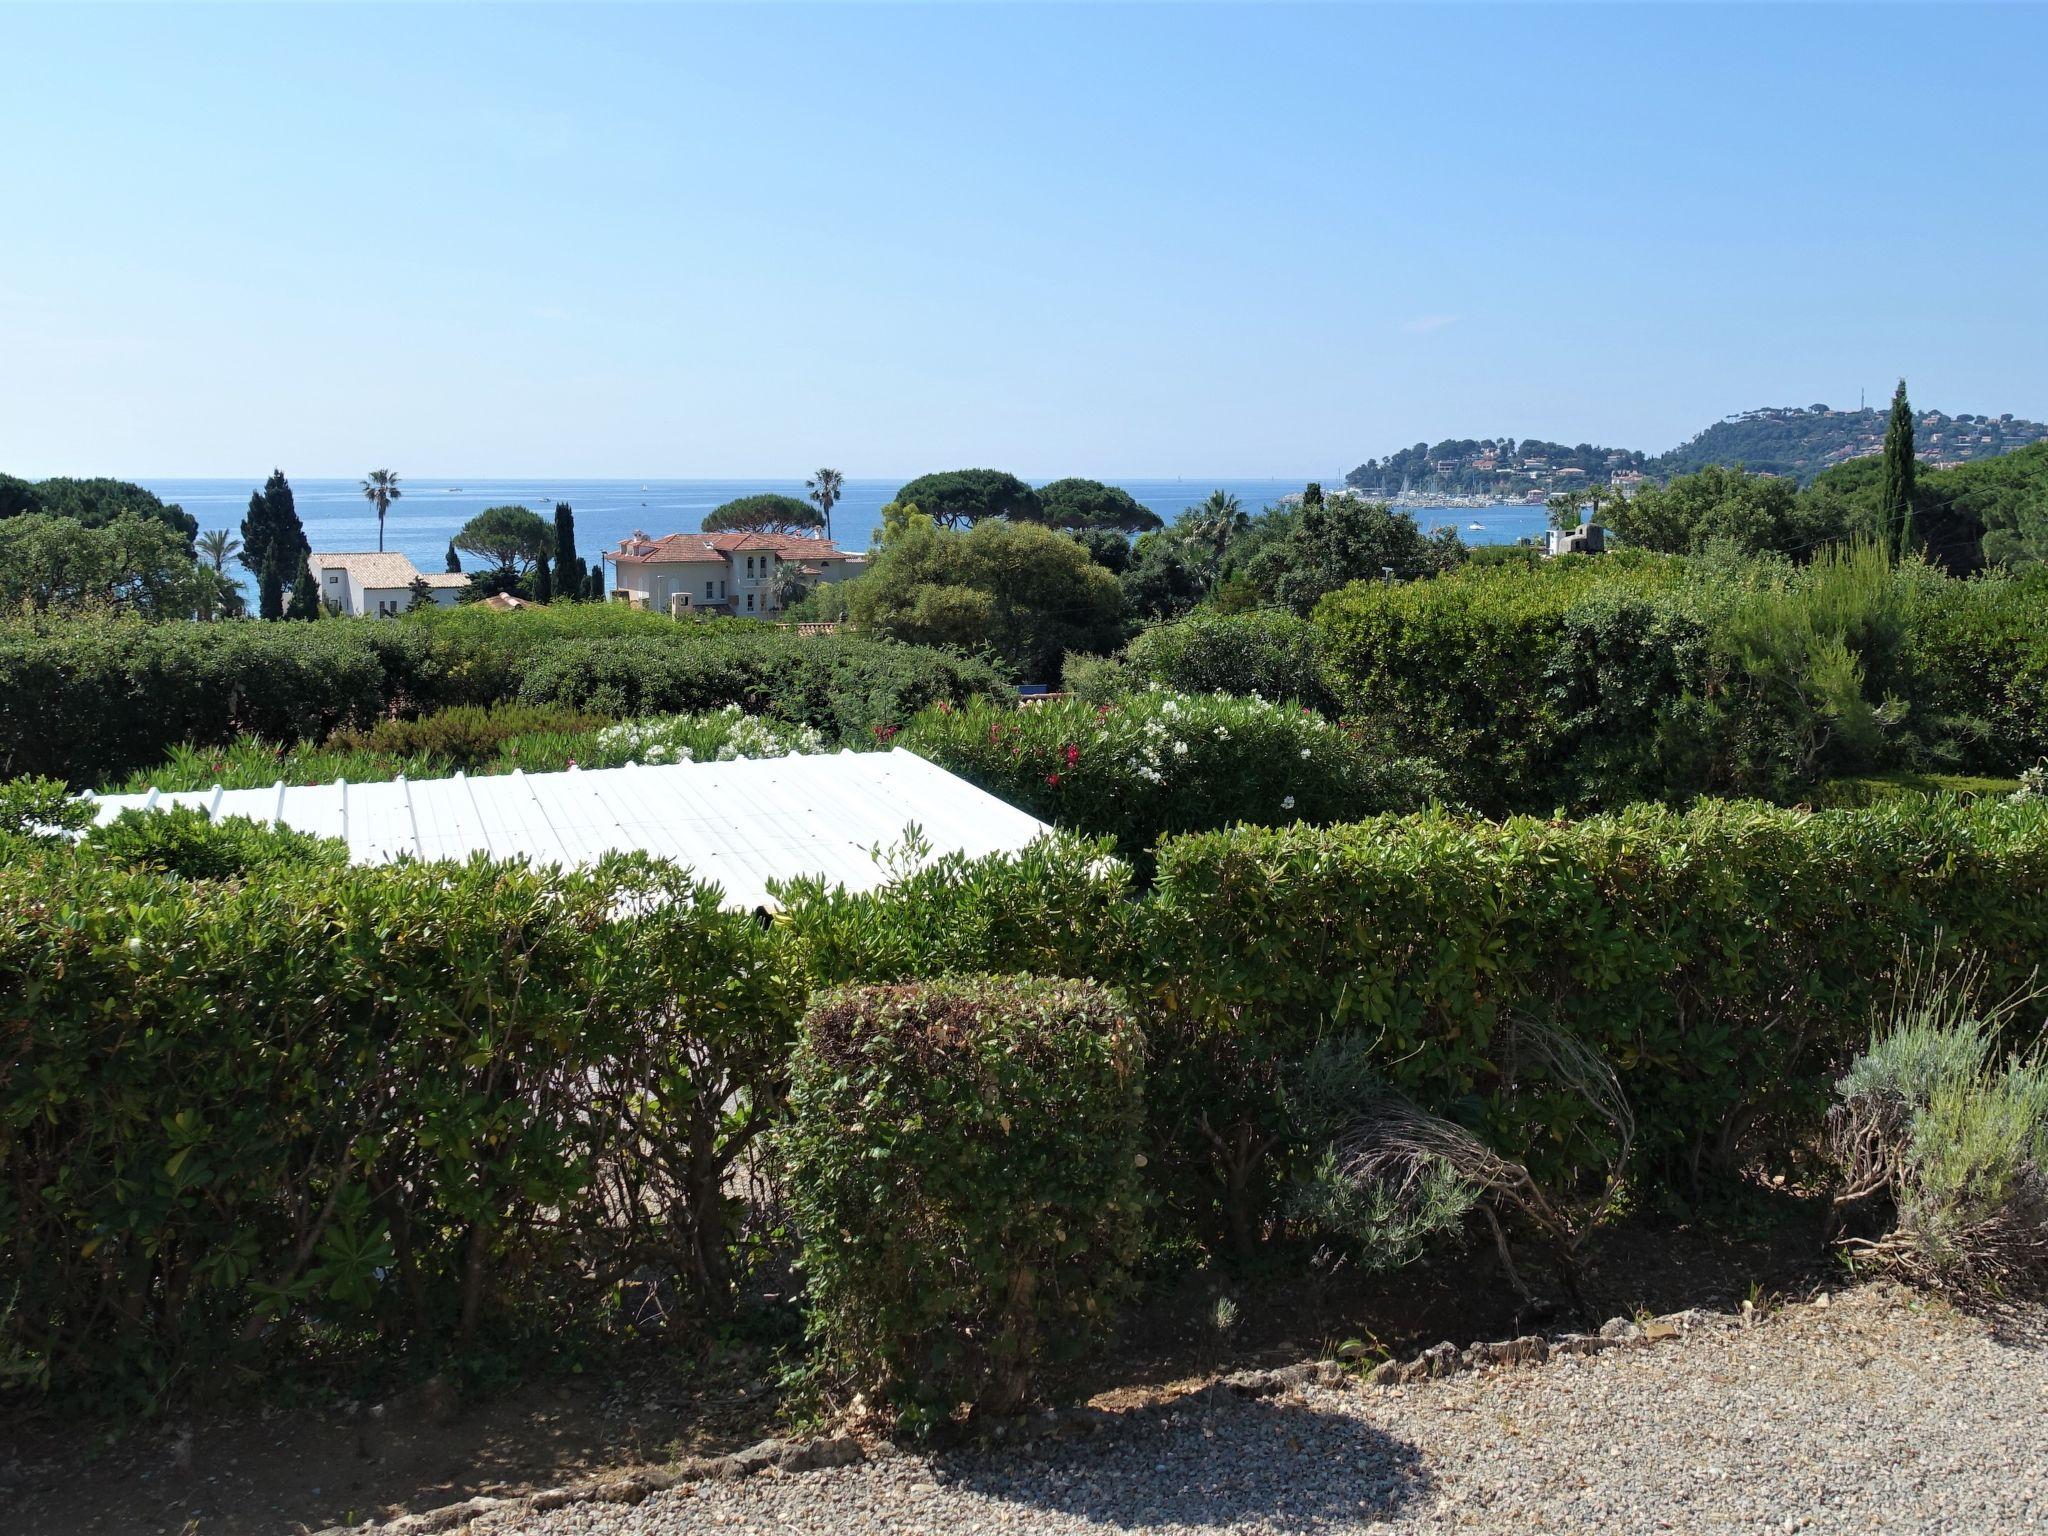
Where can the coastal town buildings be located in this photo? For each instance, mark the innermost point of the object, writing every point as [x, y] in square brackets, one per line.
[732, 573]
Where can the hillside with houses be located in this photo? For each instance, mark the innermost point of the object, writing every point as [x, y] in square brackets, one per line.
[1797, 442]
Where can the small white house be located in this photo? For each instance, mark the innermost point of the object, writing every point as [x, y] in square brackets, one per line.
[738, 573]
[379, 583]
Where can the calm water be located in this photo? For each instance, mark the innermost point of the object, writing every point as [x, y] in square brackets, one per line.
[427, 516]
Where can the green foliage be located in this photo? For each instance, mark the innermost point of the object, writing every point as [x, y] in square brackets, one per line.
[1327, 545]
[1950, 1132]
[339, 1111]
[94, 699]
[718, 736]
[765, 512]
[1722, 960]
[513, 539]
[125, 565]
[273, 534]
[1027, 593]
[96, 503]
[962, 1166]
[1156, 762]
[571, 576]
[1587, 682]
[465, 738]
[1081, 504]
[1274, 655]
[954, 498]
[1163, 577]
[1060, 907]
[1895, 489]
[1754, 514]
[184, 841]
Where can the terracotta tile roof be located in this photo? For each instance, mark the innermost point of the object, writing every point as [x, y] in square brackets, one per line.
[381, 569]
[676, 548]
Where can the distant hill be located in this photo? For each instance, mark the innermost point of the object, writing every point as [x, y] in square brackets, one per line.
[1781, 440]
[1802, 443]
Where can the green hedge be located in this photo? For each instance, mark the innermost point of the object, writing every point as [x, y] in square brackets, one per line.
[1275, 655]
[1157, 762]
[341, 1112]
[90, 700]
[963, 1166]
[255, 1109]
[1724, 960]
[1587, 683]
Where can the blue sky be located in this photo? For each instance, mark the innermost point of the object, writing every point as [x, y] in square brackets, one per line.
[1205, 240]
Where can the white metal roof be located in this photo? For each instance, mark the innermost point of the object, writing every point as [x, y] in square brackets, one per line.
[740, 824]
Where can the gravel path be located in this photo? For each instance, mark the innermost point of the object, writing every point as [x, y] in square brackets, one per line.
[1874, 1413]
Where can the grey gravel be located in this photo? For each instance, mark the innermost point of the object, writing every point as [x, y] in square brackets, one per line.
[1876, 1412]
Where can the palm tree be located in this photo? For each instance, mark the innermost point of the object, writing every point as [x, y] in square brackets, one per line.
[1215, 523]
[824, 488]
[219, 546]
[380, 490]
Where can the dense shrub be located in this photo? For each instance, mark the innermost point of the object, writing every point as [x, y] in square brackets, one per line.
[843, 686]
[1943, 1128]
[1274, 655]
[350, 1110]
[1588, 683]
[962, 1163]
[1157, 762]
[465, 737]
[91, 700]
[183, 841]
[1723, 960]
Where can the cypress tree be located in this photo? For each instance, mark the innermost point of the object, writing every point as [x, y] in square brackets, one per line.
[1899, 466]
[273, 527]
[569, 576]
[454, 561]
[270, 591]
[543, 583]
[594, 589]
[305, 603]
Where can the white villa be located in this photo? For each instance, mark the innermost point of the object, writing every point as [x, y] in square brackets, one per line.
[720, 572]
[373, 582]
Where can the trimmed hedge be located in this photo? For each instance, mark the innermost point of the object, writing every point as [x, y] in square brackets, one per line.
[1158, 762]
[90, 700]
[1588, 683]
[1725, 960]
[344, 1111]
[963, 1167]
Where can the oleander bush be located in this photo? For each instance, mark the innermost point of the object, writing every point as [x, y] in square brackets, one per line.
[332, 1114]
[94, 699]
[962, 1163]
[1158, 762]
[719, 736]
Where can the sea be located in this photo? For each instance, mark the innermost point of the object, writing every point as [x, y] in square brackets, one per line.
[429, 512]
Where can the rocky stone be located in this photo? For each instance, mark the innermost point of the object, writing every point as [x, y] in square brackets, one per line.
[1620, 1330]
[830, 1451]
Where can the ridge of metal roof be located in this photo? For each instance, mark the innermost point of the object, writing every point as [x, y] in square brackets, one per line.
[740, 824]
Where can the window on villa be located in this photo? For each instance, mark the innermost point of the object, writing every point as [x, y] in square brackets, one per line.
[750, 602]
[707, 591]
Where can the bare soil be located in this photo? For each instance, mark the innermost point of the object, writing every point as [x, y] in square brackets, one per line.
[271, 1468]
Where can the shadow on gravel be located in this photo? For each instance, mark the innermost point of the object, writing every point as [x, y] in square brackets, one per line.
[1210, 1460]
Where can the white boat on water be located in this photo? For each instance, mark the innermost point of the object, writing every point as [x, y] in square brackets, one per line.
[1476, 527]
